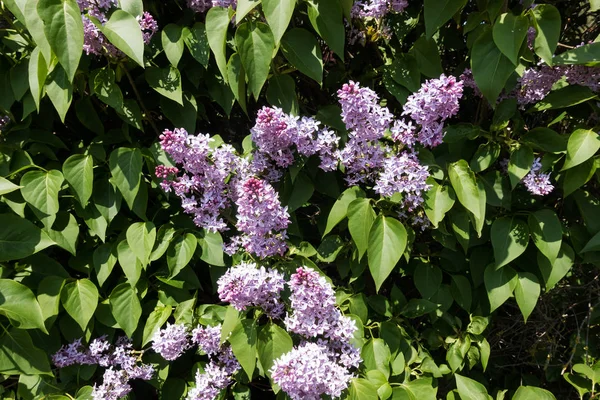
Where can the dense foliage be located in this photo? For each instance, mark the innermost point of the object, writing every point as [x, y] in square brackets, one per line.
[303, 199]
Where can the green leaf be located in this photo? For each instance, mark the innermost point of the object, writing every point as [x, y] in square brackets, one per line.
[197, 43]
[428, 279]
[123, 30]
[173, 43]
[519, 164]
[64, 231]
[548, 23]
[302, 50]
[155, 320]
[509, 33]
[527, 293]
[470, 389]
[567, 96]
[405, 71]
[180, 253]
[326, 17]
[243, 343]
[387, 241]
[278, 14]
[243, 7]
[40, 189]
[35, 26]
[418, 307]
[589, 53]
[583, 144]
[546, 232]
[499, 284]
[48, 296]
[255, 45]
[578, 176]
[18, 355]
[131, 266]
[20, 306]
[20, 238]
[60, 91]
[465, 185]
[17, 8]
[133, 7]
[592, 245]
[281, 93]
[510, 237]
[38, 71]
[212, 248]
[7, 186]
[461, 291]
[107, 89]
[184, 117]
[63, 27]
[427, 54]
[360, 219]
[273, 342]
[546, 139]
[362, 389]
[107, 199]
[217, 22]
[485, 156]
[80, 299]
[438, 201]
[376, 356]
[491, 68]
[340, 207]
[237, 79]
[78, 171]
[166, 81]
[126, 169]
[532, 393]
[553, 272]
[125, 307]
[438, 12]
[302, 191]
[104, 260]
[140, 238]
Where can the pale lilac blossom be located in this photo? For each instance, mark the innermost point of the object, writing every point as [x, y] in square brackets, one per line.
[171, 342]
[536, 181]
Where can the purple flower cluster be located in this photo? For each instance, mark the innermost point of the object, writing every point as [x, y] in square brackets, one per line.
[122, 361]
[322, 367]
[201, 6]
[536, 181]
[276, 134]
[377, 8]
[245, 285]
[261, 219]
[436, 101]
[310, 371]
[171, 342]
[403, 174]
[219, 370]
[4, 121]
[94, 41]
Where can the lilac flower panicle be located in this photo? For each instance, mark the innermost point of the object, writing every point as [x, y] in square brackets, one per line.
[537, 182]
[114, 385]
[261, 219]
[377, 8]
[171, 342]
[309, 371]
[246, 285]
[404, 174]
[208, 338]
[201, 6]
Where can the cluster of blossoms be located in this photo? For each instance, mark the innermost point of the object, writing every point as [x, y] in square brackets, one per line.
[212, 181]
[377, 8]
[201, 6]
[94, 40]
[172, 341]
[321, 363]
[536, 181]
[278, 136]
[245, 285]
[122, 363]
[537, 82]
[367, 160]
